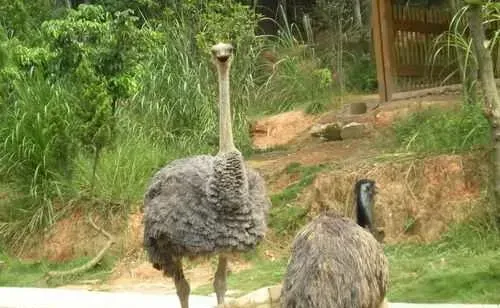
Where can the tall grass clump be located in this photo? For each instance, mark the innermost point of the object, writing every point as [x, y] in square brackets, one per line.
[443, 131]
[454, 46]
[343, 45]
[177, 104]
[124, 171]
[290, 74]
[35, 154]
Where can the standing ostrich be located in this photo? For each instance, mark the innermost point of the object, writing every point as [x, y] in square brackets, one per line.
[205, 205]
[336, 263]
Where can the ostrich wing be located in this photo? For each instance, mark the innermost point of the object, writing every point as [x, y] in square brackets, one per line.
[177, 216]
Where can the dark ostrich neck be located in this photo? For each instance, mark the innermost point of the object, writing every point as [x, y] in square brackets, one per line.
[226, 143]
[364, 209]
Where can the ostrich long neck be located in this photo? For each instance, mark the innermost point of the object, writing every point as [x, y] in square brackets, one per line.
[226, 143]
[364, 209]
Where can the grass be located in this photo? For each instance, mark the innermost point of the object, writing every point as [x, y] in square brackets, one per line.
[263, 273]
[286, 217]
[443, 131]
[16, 273]
[446, 278]
[463, 267]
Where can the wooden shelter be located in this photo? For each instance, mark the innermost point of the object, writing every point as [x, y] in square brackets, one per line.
[404, 47]
[404, 41]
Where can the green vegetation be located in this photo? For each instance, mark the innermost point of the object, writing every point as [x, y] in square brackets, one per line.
[443, 131]
[98, 97]
[286, 217]
[263, 273]
[15, 273]
[455, 46]
[462, 267]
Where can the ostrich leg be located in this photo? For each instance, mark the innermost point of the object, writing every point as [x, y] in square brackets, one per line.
[181, 284]
[220, 279]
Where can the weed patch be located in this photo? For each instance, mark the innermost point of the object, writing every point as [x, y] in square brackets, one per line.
[16, 273]
[462, 267]
[443, 131]
[286, 217]
[262, 274]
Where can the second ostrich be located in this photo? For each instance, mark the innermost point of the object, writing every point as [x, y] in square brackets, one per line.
[336, 263]
[205, 205]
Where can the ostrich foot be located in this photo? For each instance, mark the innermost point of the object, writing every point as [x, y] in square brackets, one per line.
[220, 286]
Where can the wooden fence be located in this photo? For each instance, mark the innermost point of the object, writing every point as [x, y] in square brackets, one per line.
[406, 47]
[417, 62]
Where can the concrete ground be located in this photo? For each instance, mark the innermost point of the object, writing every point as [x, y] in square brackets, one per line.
[63, 298]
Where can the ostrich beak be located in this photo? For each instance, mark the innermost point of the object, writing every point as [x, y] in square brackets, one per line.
[223, 59]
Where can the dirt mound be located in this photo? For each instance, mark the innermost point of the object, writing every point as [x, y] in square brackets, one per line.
[312, 153]
[293, 126]
[417, 200]
[72, 236]
[391, 112]
[280, 129]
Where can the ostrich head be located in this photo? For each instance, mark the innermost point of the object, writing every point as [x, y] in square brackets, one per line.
[222, 56]
[365, 191]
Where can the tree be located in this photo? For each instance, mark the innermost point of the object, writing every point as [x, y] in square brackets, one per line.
[487, 77]
[100, 54]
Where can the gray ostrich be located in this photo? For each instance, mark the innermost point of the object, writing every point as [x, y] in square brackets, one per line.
[205, 205]
[337, 263]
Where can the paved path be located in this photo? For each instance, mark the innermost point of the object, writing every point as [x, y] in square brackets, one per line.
[63, 298]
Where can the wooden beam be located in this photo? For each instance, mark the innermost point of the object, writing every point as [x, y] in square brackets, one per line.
[379, 55]
[421, 26]
[419, 70]
[383, 42]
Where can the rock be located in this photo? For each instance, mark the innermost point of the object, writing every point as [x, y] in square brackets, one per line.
[275, 293]
[358, 108]
[316, 130]
[261, 298]
[329, 131]
[353, 130]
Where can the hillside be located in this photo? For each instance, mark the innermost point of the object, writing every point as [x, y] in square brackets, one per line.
[421, 198]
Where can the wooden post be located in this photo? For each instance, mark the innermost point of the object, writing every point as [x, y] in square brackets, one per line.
[383, 42]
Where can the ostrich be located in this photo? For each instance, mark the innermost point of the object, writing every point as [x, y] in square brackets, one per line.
[205, 205]
[336, 263]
